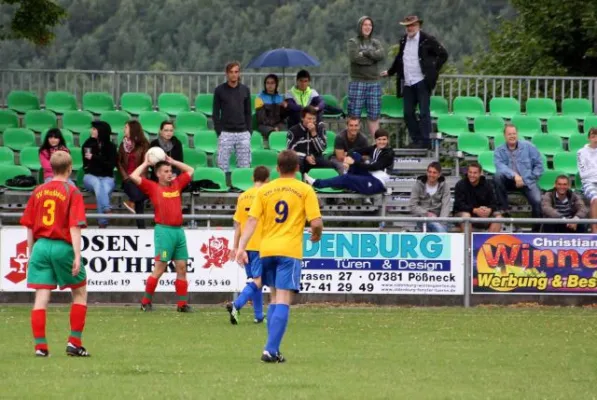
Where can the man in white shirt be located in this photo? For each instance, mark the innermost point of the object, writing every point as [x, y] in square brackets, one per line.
[587, 169]
[417, 67]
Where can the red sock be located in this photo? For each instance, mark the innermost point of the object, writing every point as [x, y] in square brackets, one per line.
[38, 327]
[181, 287]
[152, 283]
[77, 323]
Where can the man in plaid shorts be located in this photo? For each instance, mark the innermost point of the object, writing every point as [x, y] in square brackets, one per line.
[364, 89]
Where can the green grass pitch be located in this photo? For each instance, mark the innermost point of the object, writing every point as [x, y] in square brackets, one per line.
[332, 352]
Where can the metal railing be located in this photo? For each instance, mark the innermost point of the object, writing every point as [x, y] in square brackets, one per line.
[191, 84]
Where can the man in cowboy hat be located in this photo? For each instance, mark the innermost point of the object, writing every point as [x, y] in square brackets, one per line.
[417, 67]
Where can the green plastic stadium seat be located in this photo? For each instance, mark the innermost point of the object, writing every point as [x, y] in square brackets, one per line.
[548, 179]
[116, 119]
[204, 103]
[8, 119]
[487, 162]
[40, 120]
[590, 122]
[98, 102]
[7, 156]
[504, 107]
[489, 125]
[577, 182]
[577, 108]
[277, 141]
[21, 101]
[345, 107]
[274, 174]
[256, 141]
[207, 141]
[10, 171]
[67, 134]
[190, 122]
[151, 121]
[541, 108]
[468, 106]
[29, 157]
[242, 178]
[59, 102]
[527, 126]
[173, 103]
[324, 173]
[562, 126]
[439, 106]
[547, 144]
[331, 100]
[77, 121]
[498, 141]
[135, 103]
[194, 158]
[216, 175]
[566, 162]
[392, 106]
[473, 143]
[18, 138]
[184, 139]
[576, 142]
[268, 158]
[452, 125]
[77, 156]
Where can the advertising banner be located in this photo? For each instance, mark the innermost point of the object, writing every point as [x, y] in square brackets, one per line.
[521, 263]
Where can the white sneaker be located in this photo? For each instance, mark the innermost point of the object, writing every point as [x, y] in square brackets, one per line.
[309, 180]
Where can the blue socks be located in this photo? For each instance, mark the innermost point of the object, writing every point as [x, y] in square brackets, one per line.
[276, 327]
[245, 295]
[258, 303]
[270, 314]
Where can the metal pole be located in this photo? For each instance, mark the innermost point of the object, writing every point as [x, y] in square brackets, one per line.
[467, 263]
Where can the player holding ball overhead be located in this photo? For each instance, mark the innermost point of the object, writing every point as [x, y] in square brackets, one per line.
[169, 239]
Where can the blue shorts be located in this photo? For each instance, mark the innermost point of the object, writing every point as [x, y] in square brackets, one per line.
[282, 273]
[254, 269]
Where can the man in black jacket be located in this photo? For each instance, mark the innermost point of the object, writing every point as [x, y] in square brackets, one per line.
[308, 140]
[417, 67]
[366, 169]
[474, 197]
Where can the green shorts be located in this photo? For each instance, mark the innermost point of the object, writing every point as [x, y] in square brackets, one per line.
[170, 243]
[51, 265]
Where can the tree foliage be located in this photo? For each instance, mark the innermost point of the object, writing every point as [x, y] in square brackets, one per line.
[31, 20]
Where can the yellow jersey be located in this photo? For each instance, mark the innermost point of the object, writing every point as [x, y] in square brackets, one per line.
[283, 205]
[241, 216]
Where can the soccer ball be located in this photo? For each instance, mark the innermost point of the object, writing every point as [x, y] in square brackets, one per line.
[155, 155]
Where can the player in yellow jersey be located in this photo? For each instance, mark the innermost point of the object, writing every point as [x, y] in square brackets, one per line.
[253, 268]
[282, 205]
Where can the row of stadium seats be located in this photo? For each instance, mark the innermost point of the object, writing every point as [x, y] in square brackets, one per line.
[547, 144]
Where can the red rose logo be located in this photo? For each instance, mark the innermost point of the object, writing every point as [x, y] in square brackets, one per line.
[216, 252]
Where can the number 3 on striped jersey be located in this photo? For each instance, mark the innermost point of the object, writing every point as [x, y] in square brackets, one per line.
[282, 211]
[50, 212]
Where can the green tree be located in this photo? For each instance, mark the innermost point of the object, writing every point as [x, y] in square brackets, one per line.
[33, 20]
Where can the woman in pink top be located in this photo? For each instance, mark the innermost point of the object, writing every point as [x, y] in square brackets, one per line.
[53, 141]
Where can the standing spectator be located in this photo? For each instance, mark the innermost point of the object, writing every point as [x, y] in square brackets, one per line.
[430, 197]
[347, 140]
[474, 197]
[232, 119]
[365, 54]
[170, 144]
[308, 140]
[417, 67]
[587, 169]
[302, 95]
[561, 202]
[53, 142]
[270, 107]
[131, 154]
[518, 166]
[99, 161]
[366, 168]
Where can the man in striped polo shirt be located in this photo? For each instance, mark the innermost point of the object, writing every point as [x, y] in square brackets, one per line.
[561, 202]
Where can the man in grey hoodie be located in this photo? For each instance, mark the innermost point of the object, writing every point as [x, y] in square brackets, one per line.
[430, 197]
[364, 89]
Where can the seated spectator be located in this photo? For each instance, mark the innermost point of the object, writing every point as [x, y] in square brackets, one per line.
[561, 202]
[430, 197]
[170, 144]
[131, 154]
[270, 107]
[99, 161]
[347, 140]
[308, 140]
[53, 142]
[366, 168]
[518, 167]
[587, 169]
[474, 197]
[302, 95]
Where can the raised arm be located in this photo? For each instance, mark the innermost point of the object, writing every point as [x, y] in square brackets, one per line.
[181, 166]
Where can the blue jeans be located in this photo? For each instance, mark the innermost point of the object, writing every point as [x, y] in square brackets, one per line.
[418, 94]
[503, 184]
[356, 179]
[433, 227]
[102, 187]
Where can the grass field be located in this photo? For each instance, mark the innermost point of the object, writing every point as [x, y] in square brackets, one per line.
[333, 353]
